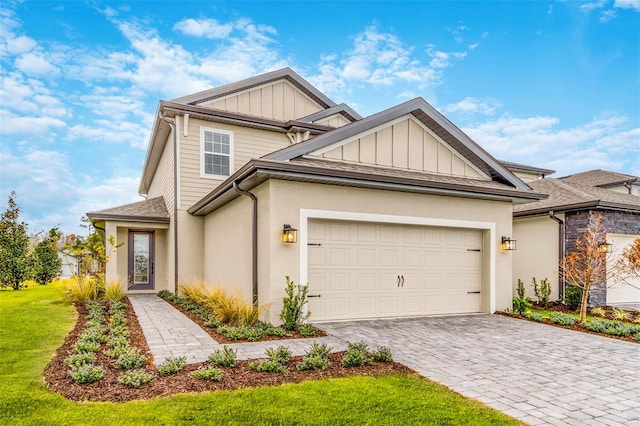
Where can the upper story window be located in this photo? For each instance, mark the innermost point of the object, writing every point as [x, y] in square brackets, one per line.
[217, 153]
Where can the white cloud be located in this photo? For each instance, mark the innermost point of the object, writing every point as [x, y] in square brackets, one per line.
[470, 105]
[26, 125]
[207, 28]
[35, 63]
[627, 4]
[540, 141]
[607, 16]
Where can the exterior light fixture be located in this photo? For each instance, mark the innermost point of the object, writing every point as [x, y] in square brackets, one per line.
[605, 247]
[507, 244]
[289, 234]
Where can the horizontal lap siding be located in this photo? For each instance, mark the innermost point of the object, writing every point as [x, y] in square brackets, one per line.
[248, 144]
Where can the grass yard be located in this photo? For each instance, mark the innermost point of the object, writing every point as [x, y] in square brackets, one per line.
[34, 322]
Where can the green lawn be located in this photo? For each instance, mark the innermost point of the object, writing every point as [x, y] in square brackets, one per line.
[34, 321]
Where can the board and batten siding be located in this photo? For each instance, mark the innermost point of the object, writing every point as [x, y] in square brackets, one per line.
[405, 144]
[162, 182]
[248, 144]
[335, 121]
[277, 101]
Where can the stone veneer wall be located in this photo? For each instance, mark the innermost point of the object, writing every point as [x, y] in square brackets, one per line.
[616, 222]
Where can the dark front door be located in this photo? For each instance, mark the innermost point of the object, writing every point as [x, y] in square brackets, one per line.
[141, 260]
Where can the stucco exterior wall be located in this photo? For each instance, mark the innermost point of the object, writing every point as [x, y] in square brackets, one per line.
[190, 247]
[537, 253]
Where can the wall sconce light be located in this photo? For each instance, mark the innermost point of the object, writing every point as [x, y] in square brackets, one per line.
[605, 247]
[289, 234]
[507, 244]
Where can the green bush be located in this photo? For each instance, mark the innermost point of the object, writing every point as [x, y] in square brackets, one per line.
[268, 366]
[313, 363]
[542, 291]
[117, 342]
[172, 365]
[382, 354]
[86, 373]
[293, 304]
[596, 325]
[225, 357]
[135, 378]
[534, 316]
[118, 331]
[573, 297]
[621, 314]
[208, 373]
[130, 358]
[80, 359]
[561, 318]
[620, 329]
[280, 354]
[520, 289]
[357, 354]
[86, 346]
[95, 334]
[319, 350]
[307, 330]
[116, 351]
[598, 312]
[520, 306]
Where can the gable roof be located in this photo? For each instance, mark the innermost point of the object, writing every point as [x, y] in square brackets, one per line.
[259, 80]
[343, 109]
[568, 196]
[523, 168]
[431, 118]
[601, 178]
[152, 210]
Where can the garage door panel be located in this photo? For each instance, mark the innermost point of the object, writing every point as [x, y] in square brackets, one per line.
[359, 268]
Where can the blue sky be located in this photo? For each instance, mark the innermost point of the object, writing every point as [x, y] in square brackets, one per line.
[545, 83]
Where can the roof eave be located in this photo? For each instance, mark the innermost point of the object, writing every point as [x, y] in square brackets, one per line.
[125, 218]
[595, 204]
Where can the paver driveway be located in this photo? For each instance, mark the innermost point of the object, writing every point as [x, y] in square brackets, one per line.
[537, 373]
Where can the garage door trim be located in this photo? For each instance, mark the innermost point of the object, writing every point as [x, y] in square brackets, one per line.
[306, 214]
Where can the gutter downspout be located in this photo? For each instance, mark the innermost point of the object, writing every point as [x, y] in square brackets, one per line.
[254, 242]
[560, 251]
[175, 200]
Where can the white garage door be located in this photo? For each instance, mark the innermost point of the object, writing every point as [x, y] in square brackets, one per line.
[622, 292]
[360, 270]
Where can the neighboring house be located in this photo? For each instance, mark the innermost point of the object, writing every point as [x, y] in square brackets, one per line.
[546, 230]
[397, 214]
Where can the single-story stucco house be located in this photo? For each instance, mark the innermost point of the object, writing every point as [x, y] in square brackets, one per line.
[546, 230]
[395, 214]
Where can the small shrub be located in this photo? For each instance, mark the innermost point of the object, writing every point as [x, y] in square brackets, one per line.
[621, 314]
[596, 325]
[116, 306]
[281, 354]
[637, 319]
[313, 363]
[79, 290]
[114, 291]
[117, 342]
[208, 373]
[637, 336]
[561, 318]
[542, 291]
[382, 354]
[573, 297]
[196, 292]
[86, 346]
[118, 331]
[534, 316]
[86, 373]
[620, 329]
[130, 358]
[520, 289]
[225, 357]
[520, 306]
[598, 312]
[135, 378]
[80, 359]
[212, 323]
[116, 351]
[317, 350]
[307, 330]
[95, 334]
[165, 294]
[118, 320]
[231, 332]
[293, 304]
[172, 365]
[232, 309]
[268, 366]
[357, 354]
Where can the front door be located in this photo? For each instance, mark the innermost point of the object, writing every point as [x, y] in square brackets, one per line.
[141, 260]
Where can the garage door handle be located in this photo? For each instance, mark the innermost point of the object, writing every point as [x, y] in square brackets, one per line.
[398, 281]
[402, 282]
[473, 292]
[314, 295]
[473, 249]
[314, 244]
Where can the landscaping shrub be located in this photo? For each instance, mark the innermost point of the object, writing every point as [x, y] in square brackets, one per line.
[172, 365]
[313, 363]
[80, 289]
[598, 312]
[232, 308]
[268, 366]
[307, 330]
[117, 342]
[319, 350]
[86, 373]
[520, 289]
[596, 325]
[197, 292]
[130, 358]
[86, 346]
[116, 351]
[521, 306]
[281, 354]
[561, 318]
[573, 297]
[620, 329]
[208, 373]
[621, 314]
[118, 331]
[225, 357]
[542, 291]
[94, 334]
[382, 354]
[114, 291]
[293, 304]
[80, 359]
[357, 354]
[534, 316]
[135, 378]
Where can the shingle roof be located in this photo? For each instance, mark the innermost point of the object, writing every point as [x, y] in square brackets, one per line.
[152, 210]
[565, 195]
[600, 178]
[518, 167]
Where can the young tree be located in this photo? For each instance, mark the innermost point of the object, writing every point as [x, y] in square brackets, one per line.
[629, 262]
[47, 266]
[15, 262]
[586, 266]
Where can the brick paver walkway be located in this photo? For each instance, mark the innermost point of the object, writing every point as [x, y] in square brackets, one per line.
[536, 373]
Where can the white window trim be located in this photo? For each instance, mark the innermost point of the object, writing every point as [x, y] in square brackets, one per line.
[231, 149]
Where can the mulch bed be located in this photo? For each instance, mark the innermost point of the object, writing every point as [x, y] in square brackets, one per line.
[57, 377]
[558, 307]
[221, 338]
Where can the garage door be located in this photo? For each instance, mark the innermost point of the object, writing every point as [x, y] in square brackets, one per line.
[359, 270]
[622, 292]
